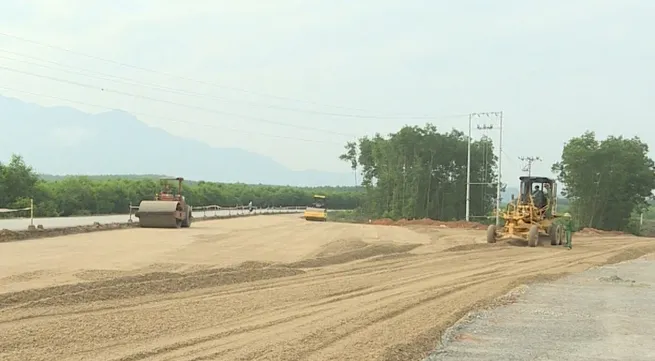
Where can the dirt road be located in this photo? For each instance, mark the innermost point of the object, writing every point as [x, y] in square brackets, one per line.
[263, 288]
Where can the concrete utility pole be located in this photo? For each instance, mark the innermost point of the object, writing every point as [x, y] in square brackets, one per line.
[499, 117]
[468, 171]
[528, 163]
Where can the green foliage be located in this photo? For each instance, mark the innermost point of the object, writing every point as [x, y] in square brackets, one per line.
[421, 173]
[606, 182]
[18, 181]
[348, 216]
[85, 195]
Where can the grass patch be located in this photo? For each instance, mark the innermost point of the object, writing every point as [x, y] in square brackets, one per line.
[347, 216]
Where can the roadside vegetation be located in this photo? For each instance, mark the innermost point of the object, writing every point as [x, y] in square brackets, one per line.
[81, 195]
[419, 172]
[414, 173]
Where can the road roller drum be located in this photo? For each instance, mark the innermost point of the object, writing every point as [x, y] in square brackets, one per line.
[166, 210]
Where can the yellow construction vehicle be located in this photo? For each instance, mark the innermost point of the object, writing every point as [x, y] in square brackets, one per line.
[318, 210]
[167, 210]
[531, 215]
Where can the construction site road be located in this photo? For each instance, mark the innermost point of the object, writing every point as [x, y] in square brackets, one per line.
[602, 314]
[265, 288]
[16, 224]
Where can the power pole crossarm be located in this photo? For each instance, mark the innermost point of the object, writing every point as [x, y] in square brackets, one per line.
[528, 163]
[497, 118]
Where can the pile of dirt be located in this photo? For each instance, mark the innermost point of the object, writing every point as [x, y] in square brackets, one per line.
[430, 222]
[384, 222]
[154, 283]
[348, 250]
[599, 232]
[8, 235]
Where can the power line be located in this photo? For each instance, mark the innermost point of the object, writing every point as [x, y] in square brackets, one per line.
[51, 46]
[107, 90]
[118, 79]
[528, 163]
[498, 116]
[170, 119]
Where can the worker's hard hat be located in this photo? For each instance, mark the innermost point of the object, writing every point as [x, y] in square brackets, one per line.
[567, 214]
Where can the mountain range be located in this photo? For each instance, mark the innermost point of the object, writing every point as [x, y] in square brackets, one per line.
[63, 140]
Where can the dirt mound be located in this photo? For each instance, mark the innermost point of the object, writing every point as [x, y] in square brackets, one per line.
[344, 251]
[339, 247]
[8, 235]
[470, 247]
[389, 257]
[429, 222]
[99, 274]
[384, 222]
[24, 277]
[631, 253]
[154, 283]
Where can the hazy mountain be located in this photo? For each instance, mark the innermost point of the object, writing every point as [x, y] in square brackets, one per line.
[62, 140]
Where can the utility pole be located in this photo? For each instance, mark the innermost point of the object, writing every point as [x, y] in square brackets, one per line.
[528, 163]
[468, 170]
[499, 117]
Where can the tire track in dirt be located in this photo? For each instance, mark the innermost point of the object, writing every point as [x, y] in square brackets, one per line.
[334, 302]
[456, 284]
[511, 282]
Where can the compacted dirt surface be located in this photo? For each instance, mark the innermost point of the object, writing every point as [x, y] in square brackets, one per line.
[601, 314]
[265, 288]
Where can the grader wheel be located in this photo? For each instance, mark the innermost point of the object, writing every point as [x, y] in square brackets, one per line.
[491, 234]
[533, 236]
[553, 233]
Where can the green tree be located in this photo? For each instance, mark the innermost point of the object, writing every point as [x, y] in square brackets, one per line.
[17, 182]
[418, 172]
[81, 195]
[606, 181]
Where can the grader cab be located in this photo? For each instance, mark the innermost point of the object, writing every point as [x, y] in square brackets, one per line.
[530, 215]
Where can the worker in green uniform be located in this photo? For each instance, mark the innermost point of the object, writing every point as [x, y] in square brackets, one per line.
[568, 228]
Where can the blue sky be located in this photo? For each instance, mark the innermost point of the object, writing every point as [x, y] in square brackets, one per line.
[554, 68]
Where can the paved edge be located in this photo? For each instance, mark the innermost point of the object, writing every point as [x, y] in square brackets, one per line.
[449, 336]
[24, 235]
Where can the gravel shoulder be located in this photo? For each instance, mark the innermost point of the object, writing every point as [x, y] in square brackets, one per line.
[605, 313]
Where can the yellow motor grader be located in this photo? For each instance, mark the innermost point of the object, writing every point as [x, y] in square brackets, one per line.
[530, 215]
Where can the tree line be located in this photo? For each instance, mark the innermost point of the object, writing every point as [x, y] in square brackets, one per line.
[416, 172]
[85, 195]
[608, 182]
[419, 172]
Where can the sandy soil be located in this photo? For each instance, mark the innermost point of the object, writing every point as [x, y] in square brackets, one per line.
[264, 288]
